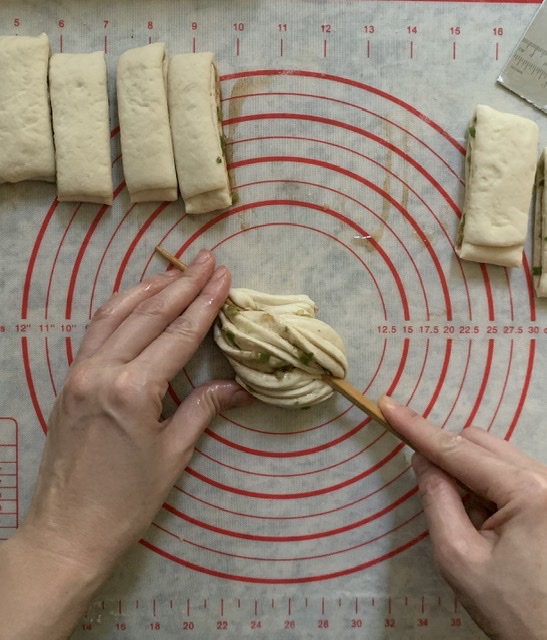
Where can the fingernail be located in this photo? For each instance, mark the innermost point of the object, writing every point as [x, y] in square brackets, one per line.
[170, 273]
[242, 398]
[219, 274]
[387, 402]
[202, 257]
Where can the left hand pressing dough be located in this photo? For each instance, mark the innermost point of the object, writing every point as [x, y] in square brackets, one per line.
[278, 349]
[26, 137]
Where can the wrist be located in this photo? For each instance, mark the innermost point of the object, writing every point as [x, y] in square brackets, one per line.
[42, 595]
[79, 538]
[49, 556]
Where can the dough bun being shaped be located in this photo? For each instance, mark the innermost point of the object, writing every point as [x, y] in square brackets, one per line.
[499, 178]
[278, 348]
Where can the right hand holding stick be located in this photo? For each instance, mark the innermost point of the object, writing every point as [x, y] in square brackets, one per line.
[496, 563]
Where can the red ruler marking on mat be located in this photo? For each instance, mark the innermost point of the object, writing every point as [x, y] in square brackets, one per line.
[9, 470]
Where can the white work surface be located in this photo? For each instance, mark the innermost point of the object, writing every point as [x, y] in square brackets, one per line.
[346, 126]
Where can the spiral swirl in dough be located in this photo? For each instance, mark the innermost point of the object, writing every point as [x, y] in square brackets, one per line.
[279, 350]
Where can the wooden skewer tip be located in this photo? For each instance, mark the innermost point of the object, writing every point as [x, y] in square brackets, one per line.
[170, 258]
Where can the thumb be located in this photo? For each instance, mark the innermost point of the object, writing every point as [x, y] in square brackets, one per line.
[205, 402]
[456, 542]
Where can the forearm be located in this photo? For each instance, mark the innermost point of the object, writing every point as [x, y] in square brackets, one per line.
[110, 457]
[41, 596]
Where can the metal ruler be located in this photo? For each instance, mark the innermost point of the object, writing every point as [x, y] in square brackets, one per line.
[526, 70]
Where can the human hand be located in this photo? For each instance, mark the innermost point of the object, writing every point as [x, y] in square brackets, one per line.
[110, 459]
[496, 563]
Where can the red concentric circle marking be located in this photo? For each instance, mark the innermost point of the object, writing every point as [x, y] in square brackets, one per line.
[349, 172]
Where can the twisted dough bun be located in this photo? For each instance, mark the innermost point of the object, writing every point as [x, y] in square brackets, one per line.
[279, 350]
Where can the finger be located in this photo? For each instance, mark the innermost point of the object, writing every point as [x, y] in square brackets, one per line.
[113, 312]
[453, 534]
[150, 318]
[501, 448]
[175, 346]
[478, 468]
[194, 415]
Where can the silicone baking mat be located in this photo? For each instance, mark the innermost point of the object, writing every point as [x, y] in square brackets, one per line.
[346, 129]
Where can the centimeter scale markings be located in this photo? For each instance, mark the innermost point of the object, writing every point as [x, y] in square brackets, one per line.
[457, 328]
[285, 38]
[277, 613]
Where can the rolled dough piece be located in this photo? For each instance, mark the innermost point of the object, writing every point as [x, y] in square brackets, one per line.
[79, 104]
[196, 122]
[278, 348]
[539, 262]
[26, 137]
[147, 147]
[500, 168]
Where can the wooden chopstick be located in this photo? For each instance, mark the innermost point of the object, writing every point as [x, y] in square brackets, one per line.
[170, 258]
[372, 410]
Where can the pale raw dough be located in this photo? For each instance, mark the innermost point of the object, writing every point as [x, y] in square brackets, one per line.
[279, 350]
[79, 104]
[147, 147]
[540, 231]
[500, 168]
[26, 137]
[194, 107]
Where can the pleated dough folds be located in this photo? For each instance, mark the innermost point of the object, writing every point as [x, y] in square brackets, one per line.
[147, 148]
[196, 122]
[539, 261]
[278, 349]
[500, 168]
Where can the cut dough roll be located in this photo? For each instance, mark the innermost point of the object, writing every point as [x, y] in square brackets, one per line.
[278, 349]
[196, 122]
[499, 175]
[147, 147]
[540, 230]
[26, 137]
[79, 104]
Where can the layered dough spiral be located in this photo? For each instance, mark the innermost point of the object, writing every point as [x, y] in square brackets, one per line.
[278, 348]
